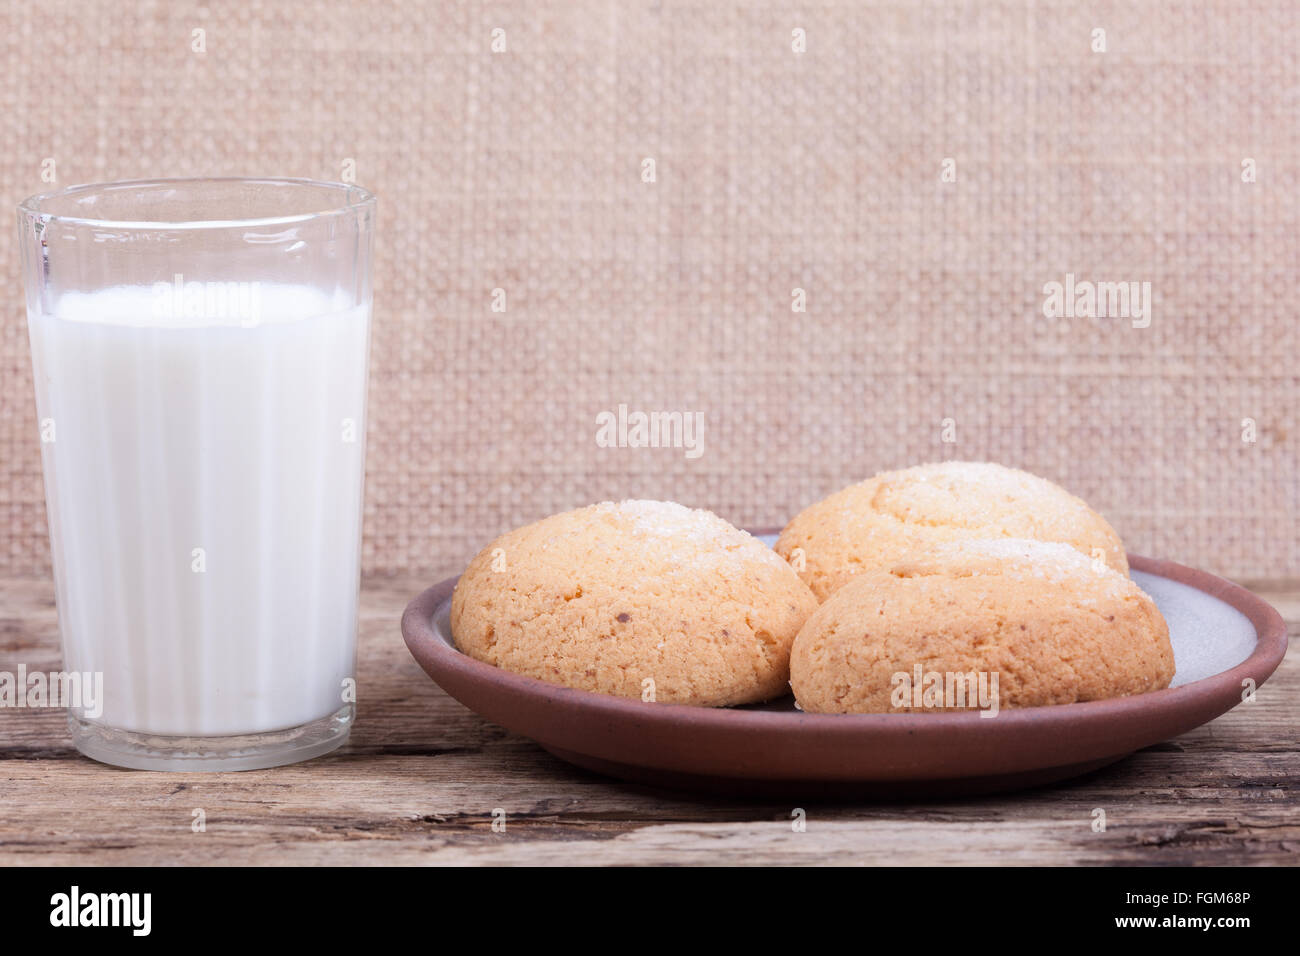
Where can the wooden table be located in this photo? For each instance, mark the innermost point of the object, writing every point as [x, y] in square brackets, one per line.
[421, 777]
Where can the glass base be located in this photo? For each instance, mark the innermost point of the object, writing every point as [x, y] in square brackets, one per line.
[275, 748]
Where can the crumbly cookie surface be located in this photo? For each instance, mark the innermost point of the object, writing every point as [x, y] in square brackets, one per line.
[1053, 626]
[643, 599]
[873, 522]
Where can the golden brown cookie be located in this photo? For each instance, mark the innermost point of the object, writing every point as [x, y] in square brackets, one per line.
[644, 599]
[1038, 623]
[873, 522]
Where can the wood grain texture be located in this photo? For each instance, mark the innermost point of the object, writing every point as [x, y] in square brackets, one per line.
[421, 777]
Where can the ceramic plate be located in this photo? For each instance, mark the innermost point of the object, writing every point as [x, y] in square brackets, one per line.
[1222, 635]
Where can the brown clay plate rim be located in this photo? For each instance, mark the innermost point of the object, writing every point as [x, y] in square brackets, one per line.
[794, 746]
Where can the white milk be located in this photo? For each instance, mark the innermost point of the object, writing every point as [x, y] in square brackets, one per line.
[172, 435]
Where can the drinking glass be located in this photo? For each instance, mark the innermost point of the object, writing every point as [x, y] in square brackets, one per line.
[200, 351]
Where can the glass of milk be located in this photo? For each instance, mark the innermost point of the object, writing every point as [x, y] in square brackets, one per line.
[200, 352]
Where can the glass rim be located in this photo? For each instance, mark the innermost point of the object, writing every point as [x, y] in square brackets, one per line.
[357, 198]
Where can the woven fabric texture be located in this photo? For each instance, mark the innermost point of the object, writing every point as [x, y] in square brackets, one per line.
[914, 175]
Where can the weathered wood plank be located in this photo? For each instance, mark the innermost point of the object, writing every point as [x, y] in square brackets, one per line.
[422, 776]
[440, 809]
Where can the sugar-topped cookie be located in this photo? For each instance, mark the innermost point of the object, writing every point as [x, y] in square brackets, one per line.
[645, 599]
[871, 523]
[1038, 622]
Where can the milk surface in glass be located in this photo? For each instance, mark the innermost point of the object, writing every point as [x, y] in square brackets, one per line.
[203, 481]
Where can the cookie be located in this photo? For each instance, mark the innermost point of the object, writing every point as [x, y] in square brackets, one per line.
[645, 599]
[1033, 622]
[873, 522]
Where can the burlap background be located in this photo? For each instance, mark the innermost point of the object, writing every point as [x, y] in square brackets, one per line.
[521, 170]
